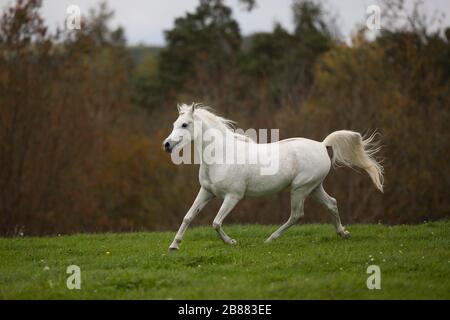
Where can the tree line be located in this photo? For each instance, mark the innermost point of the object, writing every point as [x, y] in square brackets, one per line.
[82, 119]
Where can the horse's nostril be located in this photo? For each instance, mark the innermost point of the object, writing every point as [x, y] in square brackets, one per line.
[166, 145]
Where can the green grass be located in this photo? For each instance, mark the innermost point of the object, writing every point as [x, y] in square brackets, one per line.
[307, 262]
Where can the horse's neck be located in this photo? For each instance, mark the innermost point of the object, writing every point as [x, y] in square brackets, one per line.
[200, 144]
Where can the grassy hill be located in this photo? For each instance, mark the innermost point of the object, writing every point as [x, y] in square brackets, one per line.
[308, 262]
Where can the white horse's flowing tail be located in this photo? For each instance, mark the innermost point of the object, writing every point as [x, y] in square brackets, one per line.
[351, 150]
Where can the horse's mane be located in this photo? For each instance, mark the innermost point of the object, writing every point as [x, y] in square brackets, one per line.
[221, 123]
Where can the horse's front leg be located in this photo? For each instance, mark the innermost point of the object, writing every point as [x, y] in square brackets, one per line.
[202, 199]
[228, 204]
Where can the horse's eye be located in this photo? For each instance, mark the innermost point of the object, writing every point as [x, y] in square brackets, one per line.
[184, 125]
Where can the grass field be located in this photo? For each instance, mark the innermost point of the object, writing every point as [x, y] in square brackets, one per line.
[308, 262]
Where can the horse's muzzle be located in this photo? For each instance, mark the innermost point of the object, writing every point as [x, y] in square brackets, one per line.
[167, 147]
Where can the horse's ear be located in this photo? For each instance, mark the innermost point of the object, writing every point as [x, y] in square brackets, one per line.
[192, 109]
[179, 108]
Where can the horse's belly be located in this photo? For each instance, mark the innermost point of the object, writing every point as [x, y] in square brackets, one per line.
[259, 185]
[263, 187]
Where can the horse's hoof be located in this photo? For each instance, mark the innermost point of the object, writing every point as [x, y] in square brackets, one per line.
[272, 237]
[173, 248]
[232, 242]
[344, 234]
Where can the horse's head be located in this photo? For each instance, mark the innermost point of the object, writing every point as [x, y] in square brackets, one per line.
[183, 129]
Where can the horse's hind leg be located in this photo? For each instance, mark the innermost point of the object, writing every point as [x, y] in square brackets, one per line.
[330, 203]
[297, 204]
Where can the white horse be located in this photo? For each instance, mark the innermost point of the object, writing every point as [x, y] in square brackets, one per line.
[303, 164]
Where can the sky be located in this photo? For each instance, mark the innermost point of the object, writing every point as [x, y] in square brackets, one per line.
[144, 21]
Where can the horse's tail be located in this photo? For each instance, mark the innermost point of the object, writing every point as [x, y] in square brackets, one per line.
[350, 149]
